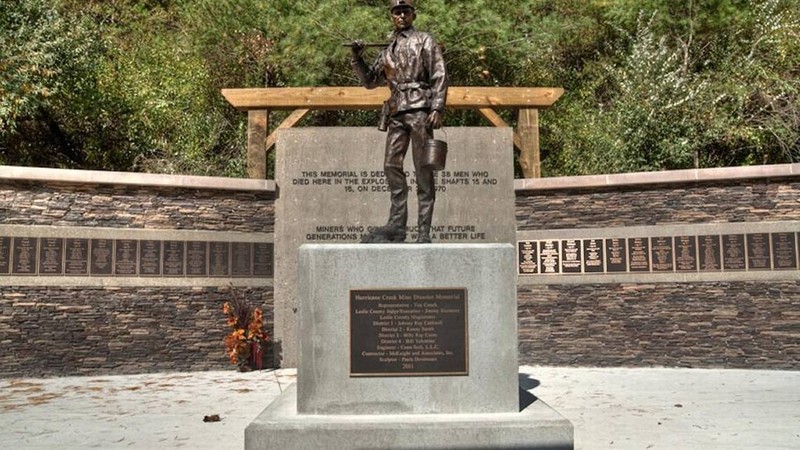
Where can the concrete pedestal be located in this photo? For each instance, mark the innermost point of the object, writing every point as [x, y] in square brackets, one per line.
[482, 407]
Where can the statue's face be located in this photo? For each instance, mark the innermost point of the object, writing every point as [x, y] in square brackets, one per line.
[403, 17]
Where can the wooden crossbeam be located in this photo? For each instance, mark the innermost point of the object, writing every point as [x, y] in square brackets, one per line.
[296, 116]
[498, 121]
[458, 97]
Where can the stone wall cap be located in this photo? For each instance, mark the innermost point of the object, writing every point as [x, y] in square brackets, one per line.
[669, 176]
[42, 174]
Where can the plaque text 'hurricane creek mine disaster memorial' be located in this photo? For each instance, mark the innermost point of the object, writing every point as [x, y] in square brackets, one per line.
[407, 332]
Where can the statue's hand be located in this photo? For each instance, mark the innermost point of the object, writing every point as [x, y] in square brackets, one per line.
[435, 120]
[357, 49]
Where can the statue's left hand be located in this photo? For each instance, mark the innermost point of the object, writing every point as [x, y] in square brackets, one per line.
[435, 120]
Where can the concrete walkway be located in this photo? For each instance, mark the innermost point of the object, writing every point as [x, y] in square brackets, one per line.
[610, 408]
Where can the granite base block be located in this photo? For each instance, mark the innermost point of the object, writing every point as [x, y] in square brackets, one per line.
[279, 426]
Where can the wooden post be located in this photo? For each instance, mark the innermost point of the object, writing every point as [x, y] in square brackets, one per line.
[528, 130]
[257, 127]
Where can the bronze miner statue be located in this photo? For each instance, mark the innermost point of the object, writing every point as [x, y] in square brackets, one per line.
[413, 66]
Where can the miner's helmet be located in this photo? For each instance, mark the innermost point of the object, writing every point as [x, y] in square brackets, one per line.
[399, 3]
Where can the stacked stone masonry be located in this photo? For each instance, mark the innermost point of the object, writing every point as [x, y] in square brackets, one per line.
[75, 330]
[69, 330]
[727, 324]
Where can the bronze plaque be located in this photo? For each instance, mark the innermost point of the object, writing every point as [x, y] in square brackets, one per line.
[733, 255]
[241, 259]
[408, 332]
[758, 252]
[126, 257]
[173, 259]
[784, 251]
[616, 255]
[218, 259]
[76, 259]
[686, 253]
[593, 256]
[639, 254]
[528, 257]
[150, 258]
[51, 256]
[262, 259]
[196, 258]
[571, 256]
[5, 255]
[101, 256]
[548, 257]
[24, 259]
[662, 253]
[710, 253]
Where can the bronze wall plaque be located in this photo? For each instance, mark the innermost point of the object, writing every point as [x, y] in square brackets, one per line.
[710, 253]
[548, 256]
[638, 254]
[173, 265]
[616, 255]
[51, 256]
[733, 253]
[662, 254]
[263, 259]
[126, 257]
[758, 252]
[593, 256]
[686, 253]
[571, 256]
[219, 259]
[241, 259]
[24, 255]
[150, 258]
[528, 257]
[784, 251]
[76, 258]
[408, 332]
[101, 256]
[196, 258]
[5, 255]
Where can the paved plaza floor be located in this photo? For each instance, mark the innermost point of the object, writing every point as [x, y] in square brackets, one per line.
[610, 408]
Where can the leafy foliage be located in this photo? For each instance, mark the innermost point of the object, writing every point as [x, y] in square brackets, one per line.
[650, 85]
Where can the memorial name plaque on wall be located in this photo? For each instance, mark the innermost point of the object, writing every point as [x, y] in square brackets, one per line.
[784, 251]
[710, 253]
[593, 256]
[686, 253]
[5, 255]
[408, 332]
[25, 257]
[53, 257]
[77, 257]
[701, 253]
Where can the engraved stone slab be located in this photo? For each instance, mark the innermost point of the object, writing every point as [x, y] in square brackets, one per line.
[638, 254]
[126, 257]
[784, 251]
[324, 381]
[241, 259]
[333, 190]
[571, 256]
[710, 253]
[196, 258]
[662, 254]
[173, 264]
[263, 256]
[150, 259]
[102, 253]
[549, 256]
[593, 259]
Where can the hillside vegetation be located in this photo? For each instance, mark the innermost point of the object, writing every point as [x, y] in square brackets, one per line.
[134, 85]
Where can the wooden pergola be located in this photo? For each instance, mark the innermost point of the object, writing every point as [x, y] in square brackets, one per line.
[258, 102]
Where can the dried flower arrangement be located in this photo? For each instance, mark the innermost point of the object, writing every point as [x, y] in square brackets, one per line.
[247, 332]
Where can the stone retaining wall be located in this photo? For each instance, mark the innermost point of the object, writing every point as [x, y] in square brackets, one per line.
[114, 327]
[91, 325]
[750, 320]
